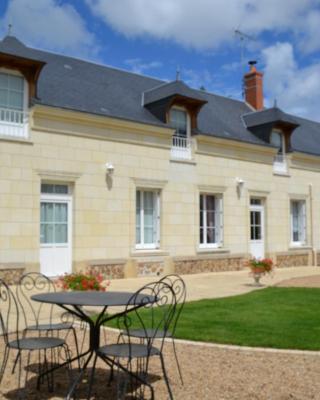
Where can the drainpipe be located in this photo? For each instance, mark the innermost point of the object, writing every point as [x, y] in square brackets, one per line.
[314, 253]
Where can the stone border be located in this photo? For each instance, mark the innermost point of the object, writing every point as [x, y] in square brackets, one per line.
[235, 347]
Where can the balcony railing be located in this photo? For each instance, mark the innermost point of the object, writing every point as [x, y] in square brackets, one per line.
[14, 123]
[181, 148]
[280, 164]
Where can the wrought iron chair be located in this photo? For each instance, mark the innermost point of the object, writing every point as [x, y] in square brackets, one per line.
[34, 283]
[10, 332]
[150, 310]
[178, 286]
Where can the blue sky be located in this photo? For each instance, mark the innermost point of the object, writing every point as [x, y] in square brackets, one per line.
[153, 37]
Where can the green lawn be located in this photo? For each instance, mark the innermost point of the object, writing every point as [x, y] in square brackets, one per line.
[272, 317]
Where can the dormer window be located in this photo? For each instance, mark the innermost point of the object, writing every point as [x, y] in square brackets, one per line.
[13, 104]
[277, 139]
[181, 143]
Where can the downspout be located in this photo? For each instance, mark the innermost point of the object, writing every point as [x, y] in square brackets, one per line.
[313, 250]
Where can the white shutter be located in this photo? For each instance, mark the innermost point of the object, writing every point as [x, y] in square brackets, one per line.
[156, 215]
[219, 223]
[303, 222]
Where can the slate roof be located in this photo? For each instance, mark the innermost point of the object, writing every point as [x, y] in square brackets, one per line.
[83, 86]
[170, 89]
[270, 115]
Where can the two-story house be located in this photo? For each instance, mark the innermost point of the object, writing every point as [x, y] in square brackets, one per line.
[104, 169]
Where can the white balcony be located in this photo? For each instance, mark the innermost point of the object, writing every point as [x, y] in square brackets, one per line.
[14, 123]
[181, 148]
[280, 165]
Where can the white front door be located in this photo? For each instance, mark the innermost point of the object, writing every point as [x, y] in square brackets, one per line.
[55, 234]
[256, 228]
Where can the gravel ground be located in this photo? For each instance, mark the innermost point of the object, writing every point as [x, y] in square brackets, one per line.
[308, 281]
[210, 372]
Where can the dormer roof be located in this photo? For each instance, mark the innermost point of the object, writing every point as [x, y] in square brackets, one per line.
[15, 55]
[272, 116]
[175, 89]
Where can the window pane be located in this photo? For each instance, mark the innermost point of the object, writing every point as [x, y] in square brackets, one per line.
[148, 235]
[257, 232]
[46, 188]
[61, 189]
[47, 212]
[211, 237]
[211, 220]
[16, 83]
[61, 233]
[3, 81]
[257, 218]
[46, 233]
[178, 119]
[61, 212]
[3, 98]
[210, 203]
[201, 235]
[252, 233]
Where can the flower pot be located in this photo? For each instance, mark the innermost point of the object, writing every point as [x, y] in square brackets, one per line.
[257, 276]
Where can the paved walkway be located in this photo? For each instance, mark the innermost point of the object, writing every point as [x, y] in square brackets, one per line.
[219, 284]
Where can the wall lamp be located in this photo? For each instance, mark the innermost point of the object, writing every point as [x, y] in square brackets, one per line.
[109, 168]
[240, 184]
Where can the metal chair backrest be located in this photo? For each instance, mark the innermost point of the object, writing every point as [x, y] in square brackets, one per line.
[149, 310]
[179, 288]
[9, 314]
[30, 284]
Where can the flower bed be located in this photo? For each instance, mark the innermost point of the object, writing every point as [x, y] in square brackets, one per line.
[82, 281]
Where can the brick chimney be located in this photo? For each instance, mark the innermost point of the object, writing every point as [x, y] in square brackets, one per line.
[253, 87]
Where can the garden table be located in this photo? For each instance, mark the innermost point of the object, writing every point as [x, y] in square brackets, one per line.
[74, 302]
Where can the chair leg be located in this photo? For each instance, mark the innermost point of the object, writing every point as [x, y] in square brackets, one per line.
[77, 345]
[16, 361]
[166, 376]
[92, 375]
[177, 361]
[4, 362]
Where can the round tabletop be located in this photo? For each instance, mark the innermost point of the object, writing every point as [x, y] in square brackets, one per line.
[92, 298]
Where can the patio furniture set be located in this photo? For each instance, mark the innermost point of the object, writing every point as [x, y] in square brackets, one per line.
[145, 319]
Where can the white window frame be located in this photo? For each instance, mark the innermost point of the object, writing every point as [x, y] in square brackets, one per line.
[156, 215]
[218, 199]
[302, 223]
[283, 142]
[25, 85]
[180, 108]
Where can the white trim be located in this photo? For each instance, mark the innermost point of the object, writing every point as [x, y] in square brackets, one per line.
[218, 228]
[156, 219]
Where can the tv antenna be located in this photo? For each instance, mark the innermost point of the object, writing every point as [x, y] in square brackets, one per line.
[243, 37]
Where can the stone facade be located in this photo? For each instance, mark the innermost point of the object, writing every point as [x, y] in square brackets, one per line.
[11, 275]
[292, 260]
[150, 268]
[74, 148]
[196, 266]
[110, 271]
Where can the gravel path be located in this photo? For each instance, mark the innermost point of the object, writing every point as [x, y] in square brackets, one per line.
[308, 281]
[210, 373]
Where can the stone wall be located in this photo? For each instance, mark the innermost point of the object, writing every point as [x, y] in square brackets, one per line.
[11, 275]
[110, 271]
[196, 266]
[150, 268]
[292, 260]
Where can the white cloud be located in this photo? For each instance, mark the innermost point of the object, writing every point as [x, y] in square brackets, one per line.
[139, 67]
[49, 24]
[297, 89]
[206, 23]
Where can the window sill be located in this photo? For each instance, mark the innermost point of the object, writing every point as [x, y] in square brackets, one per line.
[299, 247]
[210, 250]
[182, 161]
[148, 253]
[5, 138]
[284, 174]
